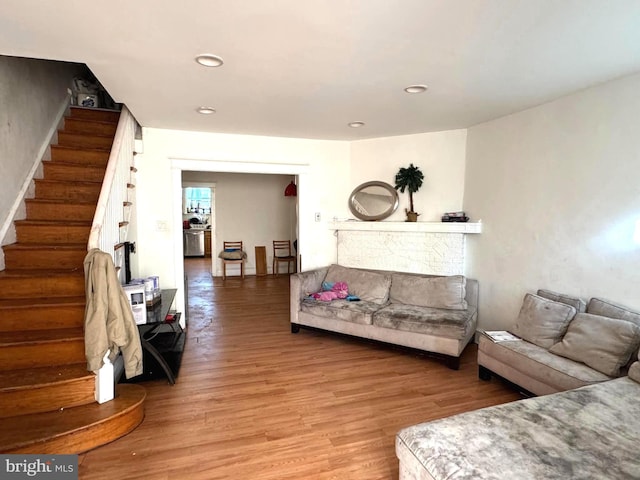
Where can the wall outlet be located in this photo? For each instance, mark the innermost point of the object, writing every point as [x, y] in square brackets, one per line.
[317, 216]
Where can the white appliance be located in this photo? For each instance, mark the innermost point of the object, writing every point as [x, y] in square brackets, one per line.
[135, 294]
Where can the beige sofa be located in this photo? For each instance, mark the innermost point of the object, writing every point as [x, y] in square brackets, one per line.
[435, 314]
[588, 429]
[546, 360]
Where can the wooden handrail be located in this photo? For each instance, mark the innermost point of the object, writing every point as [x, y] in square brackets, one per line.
[104, 233]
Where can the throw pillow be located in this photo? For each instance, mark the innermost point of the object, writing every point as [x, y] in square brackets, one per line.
[434, 292]
[369, 286]
[543, 322]
[579, 304]
[605, 344]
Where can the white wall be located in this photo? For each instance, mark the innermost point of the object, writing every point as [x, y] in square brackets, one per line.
[440, 156]
[558, 191]
[323, 176]
[248, 207]
[31, 93]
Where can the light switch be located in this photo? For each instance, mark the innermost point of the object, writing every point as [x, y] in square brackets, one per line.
[317, 216]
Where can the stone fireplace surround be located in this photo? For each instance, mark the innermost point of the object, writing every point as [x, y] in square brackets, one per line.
[435, 248]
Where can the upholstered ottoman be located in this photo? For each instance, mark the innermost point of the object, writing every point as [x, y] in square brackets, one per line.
[590, 432]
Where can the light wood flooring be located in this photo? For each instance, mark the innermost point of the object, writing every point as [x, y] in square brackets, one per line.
[255, 402]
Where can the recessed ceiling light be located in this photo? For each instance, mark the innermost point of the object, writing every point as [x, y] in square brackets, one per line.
[206, 110]
[356, 124]
[209, 60]
[416, 89]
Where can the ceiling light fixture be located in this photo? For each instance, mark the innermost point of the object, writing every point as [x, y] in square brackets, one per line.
[416, 89]
[209, 60]
[205, 110]
[356, 124]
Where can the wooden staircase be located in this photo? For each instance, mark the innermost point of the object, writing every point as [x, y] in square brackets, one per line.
[47, 400]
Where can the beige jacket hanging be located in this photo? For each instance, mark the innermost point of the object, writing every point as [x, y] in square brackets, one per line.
[108, 320]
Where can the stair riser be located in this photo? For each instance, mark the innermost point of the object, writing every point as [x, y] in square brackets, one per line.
[67, 191]
[48, 397]
[41, 354]
[93, 114]
[82, 126]
[60, 211]
[41, 287]
[86, 141]
[29, 234]
[13, 319]
[85, 157]
[44, 258]
[73, 173]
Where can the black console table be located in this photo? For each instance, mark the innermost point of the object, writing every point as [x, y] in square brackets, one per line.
[161, 338]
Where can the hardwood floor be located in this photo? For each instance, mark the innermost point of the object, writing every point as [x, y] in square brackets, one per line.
[254, 401]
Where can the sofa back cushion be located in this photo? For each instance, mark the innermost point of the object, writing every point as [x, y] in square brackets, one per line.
[433, 292]
[605, 344]
[541, 321]
[605, 308]
[369, 286]
[579, 304]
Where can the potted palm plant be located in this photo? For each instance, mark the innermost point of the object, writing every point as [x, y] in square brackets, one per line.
[409, 179]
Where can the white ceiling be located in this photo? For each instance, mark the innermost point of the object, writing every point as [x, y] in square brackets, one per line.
[305, 68]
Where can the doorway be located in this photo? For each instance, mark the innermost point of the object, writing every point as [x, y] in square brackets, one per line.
[198, 216]
[179, 165]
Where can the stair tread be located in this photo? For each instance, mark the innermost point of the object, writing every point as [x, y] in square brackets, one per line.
[82, 148]
[53, 181]
[38, 428]
[55, 223]
[39, 273]
[60, 163]
[86, 134]
[47, 246]
[40, 336]
[38, 377]
[90, 120]
[43, 302]
[94, 109]
[46, 201]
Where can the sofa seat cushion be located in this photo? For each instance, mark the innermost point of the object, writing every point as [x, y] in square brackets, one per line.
[431, 321]
[538, 363]
[356, 312]
[590, 432]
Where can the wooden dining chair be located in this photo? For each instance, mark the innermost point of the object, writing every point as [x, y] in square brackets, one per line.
[282, 254]
[232, 253]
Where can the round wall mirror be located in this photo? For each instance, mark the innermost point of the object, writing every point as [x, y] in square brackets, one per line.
[373, 201]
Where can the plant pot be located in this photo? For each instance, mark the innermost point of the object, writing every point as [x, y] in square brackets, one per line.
[412, 216]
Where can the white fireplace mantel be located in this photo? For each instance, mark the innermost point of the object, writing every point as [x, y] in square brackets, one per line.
[426, 227]
[435, 248]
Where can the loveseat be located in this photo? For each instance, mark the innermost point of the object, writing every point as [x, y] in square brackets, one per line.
[588, 429]
[435, 314]
[564, 344]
